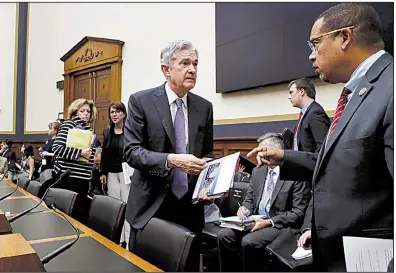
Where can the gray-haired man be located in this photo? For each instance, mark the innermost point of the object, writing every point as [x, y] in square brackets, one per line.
[167, 131]
[284, 204]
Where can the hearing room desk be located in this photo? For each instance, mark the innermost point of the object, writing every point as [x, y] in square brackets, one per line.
[46, 230]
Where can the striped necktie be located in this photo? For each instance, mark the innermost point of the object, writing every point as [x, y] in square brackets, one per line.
[342, 102]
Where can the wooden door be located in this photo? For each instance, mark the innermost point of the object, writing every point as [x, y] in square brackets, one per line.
[82, 86]
[102, 98]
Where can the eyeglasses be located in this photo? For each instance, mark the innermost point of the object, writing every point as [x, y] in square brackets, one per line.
[314, 42]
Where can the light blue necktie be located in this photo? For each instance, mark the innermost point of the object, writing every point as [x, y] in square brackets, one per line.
[180, 181]
[264, 205]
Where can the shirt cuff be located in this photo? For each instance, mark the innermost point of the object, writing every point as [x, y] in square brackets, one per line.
[272, 223]
[166, 164]
[304, 230]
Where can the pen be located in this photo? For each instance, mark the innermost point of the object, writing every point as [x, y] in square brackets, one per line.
[239, 204]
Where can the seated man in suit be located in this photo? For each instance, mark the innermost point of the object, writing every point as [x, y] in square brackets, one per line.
[313, 122]
[284, 204]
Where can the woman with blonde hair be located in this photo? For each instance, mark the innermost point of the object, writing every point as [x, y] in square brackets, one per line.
[81, 112]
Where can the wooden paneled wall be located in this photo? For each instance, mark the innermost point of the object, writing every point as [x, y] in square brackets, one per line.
[223, 146]
[16, 147]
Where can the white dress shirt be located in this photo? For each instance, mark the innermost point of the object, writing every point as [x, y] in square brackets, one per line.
[173, 107]
[360, 72]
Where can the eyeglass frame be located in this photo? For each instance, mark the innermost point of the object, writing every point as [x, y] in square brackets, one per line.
[311, 42]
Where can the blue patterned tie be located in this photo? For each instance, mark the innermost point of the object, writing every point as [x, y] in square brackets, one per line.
[180, 181]
[264, 205]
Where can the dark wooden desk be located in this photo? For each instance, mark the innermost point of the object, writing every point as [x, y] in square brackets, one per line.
[45, 231]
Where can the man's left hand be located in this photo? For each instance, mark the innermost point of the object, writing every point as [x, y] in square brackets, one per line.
[260, 223]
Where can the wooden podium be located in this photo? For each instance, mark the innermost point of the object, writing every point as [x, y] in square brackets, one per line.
[16, 255]
[5, 227]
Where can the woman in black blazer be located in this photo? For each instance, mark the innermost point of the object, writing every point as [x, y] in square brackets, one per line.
[112, 159]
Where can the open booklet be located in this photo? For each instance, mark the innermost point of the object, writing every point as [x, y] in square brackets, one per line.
[217, 178]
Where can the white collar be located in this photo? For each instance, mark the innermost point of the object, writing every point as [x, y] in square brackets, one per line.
[172, 95]
[275, 170]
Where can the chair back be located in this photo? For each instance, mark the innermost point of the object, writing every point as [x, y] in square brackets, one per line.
[106, 216]
[64, 200]
[22, 179]
[34, 187]
[166, 245]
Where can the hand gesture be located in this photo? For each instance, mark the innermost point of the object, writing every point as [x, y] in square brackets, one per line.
[86, 153]
[267, 156]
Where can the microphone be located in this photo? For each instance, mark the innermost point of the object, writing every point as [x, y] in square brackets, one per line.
[66, 246]
[63, 175]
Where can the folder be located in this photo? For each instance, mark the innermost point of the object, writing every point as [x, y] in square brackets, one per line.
[283, 248]
[287, 136]
[80, 139]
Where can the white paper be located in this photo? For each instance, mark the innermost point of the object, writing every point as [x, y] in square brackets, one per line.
[43, 161]
[301, 253]
[128, 172]
[367, 254]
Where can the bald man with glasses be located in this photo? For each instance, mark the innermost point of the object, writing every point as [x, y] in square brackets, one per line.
[352, 174]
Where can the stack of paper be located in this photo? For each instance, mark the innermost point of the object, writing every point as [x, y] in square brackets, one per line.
[235, 222]
[301, 253]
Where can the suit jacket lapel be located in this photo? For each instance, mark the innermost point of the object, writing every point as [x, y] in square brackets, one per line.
[355, 101]
[301, 121]
[162, 103]
[278, 186]
[263, 174]
[192, 123]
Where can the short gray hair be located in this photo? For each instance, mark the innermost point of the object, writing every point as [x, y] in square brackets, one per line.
[275, 140]
[168, 53]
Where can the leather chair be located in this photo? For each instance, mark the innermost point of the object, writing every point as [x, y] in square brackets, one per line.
[106, 216]
[64, 200]
[228, 207]
[167, 245]
[34, 187]
[22, 181]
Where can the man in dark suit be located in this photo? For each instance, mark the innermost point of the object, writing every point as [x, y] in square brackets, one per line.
[282, 202]
[352, 175]
[167, 133]
[313, 123]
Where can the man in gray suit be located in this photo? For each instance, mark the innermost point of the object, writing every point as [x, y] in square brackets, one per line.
[282, 202]
[352, 175]
[167, 133]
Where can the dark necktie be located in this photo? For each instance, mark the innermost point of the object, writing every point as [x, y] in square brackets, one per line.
[180, 181]
[295, 129]
[342, 102]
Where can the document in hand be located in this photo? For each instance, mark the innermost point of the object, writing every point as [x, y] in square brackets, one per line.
[80, 139]
[235, 222]
[216, 179]
[301, 253]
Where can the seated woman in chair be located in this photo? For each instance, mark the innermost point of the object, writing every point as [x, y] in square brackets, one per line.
[27, 162]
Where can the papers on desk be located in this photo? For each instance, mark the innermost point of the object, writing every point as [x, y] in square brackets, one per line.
[367, 254]
[301, 253]
[80, 139]
[235, 222]
[216, 179]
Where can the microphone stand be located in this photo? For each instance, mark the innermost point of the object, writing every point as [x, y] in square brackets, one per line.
[66, 246]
